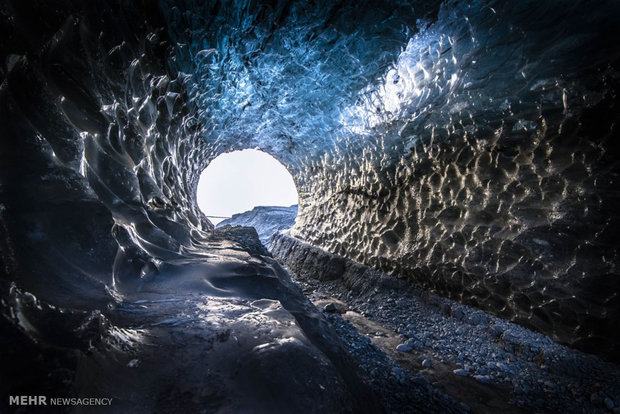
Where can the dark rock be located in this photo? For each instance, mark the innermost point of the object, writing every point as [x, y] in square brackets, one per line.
[330, 307]
[406, 346]
[609, 403]
[267, 220]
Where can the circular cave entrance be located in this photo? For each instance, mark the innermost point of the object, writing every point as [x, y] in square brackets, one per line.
[239, 181]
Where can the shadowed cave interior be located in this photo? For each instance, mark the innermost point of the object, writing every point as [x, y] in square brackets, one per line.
[456, 245]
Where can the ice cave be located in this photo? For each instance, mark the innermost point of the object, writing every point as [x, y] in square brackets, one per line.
[455, 243]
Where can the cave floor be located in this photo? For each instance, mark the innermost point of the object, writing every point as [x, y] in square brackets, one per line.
[486, 363]
[230, 330]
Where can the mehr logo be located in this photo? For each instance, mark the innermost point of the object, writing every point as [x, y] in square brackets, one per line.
[27, 400]
[43, 400]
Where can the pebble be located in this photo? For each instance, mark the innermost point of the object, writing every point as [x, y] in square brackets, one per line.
[427, 363]
[405, 347]
[478, 318]
[330, 307]
[460, 372]
[496, 331]
[609, 403]
[484, 379]
[459, 313]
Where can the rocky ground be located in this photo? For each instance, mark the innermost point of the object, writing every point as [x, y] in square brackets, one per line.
[402, 335]
[226, 331]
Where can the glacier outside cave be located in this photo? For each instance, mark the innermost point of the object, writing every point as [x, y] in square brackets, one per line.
[457, 243]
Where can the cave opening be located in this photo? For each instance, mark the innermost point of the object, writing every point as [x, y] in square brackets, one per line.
[238, 181]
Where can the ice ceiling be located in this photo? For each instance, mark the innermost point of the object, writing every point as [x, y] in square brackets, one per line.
[470, 147]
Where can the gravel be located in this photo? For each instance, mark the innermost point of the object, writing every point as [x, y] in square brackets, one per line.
[540, 374]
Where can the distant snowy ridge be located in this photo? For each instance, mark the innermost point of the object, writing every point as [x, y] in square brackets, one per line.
[267, 220]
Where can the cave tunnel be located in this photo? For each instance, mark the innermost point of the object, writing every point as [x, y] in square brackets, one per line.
[456, 241]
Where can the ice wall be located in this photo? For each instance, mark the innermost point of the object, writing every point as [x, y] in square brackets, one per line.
[467, 146]
[100, 152]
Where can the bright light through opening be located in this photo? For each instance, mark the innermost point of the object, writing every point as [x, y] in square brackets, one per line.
[241, 180]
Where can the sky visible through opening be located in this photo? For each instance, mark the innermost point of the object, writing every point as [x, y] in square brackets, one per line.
[238, 181]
